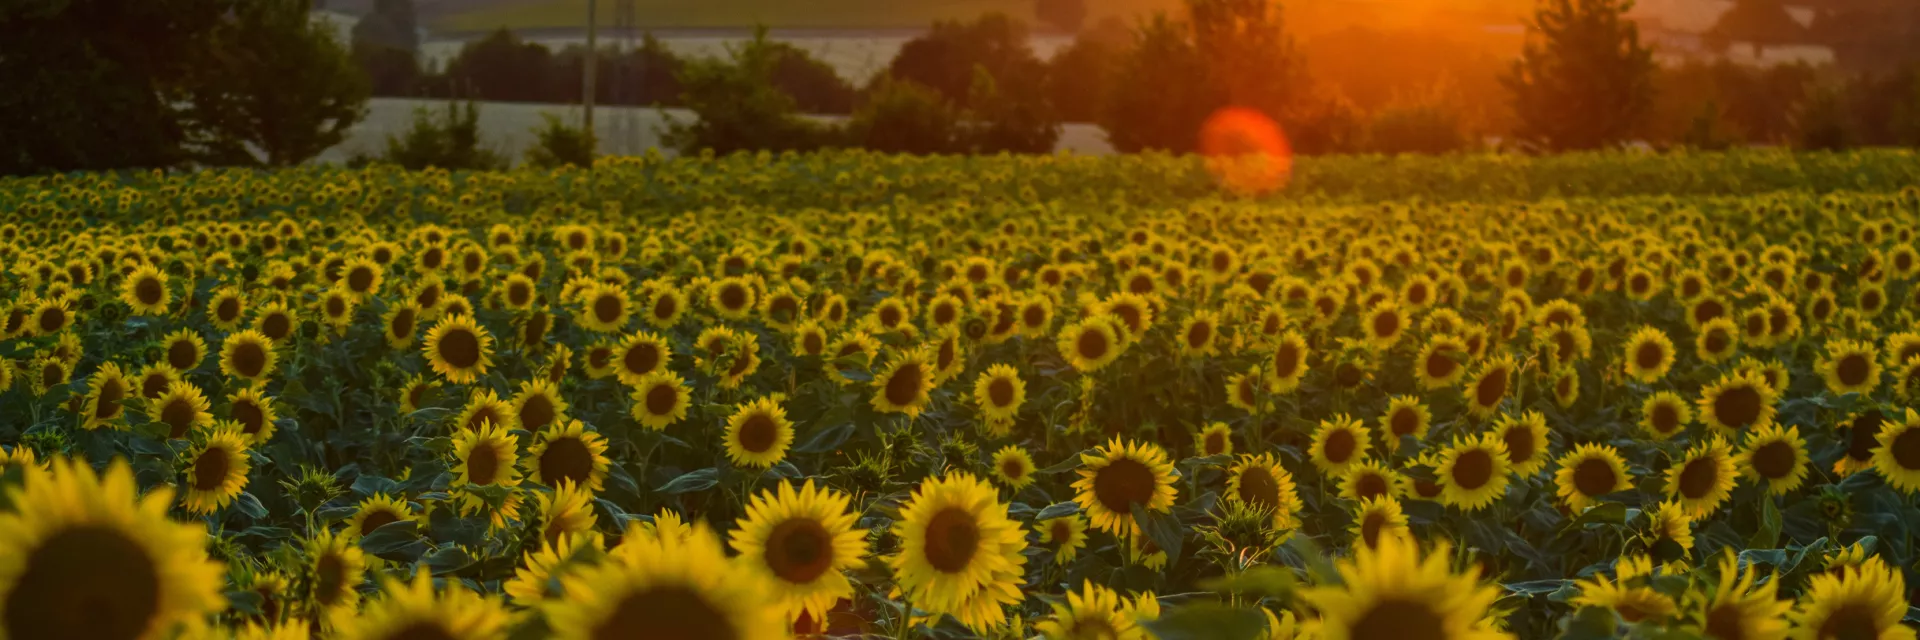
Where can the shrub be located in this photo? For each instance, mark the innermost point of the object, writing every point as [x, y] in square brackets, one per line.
[449, 140]
[560, 145]
[900, 116]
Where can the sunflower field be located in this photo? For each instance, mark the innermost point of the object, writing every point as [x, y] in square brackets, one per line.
[854, 395]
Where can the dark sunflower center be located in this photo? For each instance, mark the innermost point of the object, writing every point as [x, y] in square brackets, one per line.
[249, 359]
[360, 280]
[903, 387]
[1396, 619]
[799, 550]
[1061, 531]
[1386, 325]
[422, 630]
[182, 355]
[210, 469]
[1013, 468]
[179, 415]
[1724, 622]
[1286, 361]
[52, 374]
[1034, 316]
[1340, 446]
[276, 326]
[1594, 477]
[1370, 485]
[1738, 407]
[251, 418]
[1131, 316]
[487, 414]
[1774, 460]
[1649, 355]
[84, 582]
[329, 581]
[665, 306]
[733, 297]
[1520, 443]
[1259, 488]
[402, 325]
[1091, 345]
[642, 359]
[106, 403]
[1491, 388]
[519, 294]
[1123, 483]
[1851, 622]
[607, 308]
[758, 433]
[1472, 469]
[52, 319]
[813, 343]
[1199, 334]
[1717, 341]
[1000, 392]
[1864, 436]
[566, 459]
[336, 307]
[1370, 527]
[460, 348]
[227, 310]
[1403, 422]
[662, 400]
[1906, 449]
[1853, 369]
[149, 291]
[1349, 375]
[1216, 443]
[483, 463]
[536, 412]
[1666, 418]
[953, 537]
[1698, 478]
[377, 519]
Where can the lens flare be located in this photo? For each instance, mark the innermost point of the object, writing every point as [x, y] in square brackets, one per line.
[1246, 151]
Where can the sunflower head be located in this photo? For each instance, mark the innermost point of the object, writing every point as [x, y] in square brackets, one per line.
[1120, 475]
[758, 433]
[1393, 590]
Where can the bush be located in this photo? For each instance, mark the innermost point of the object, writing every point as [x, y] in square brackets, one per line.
[560, 145]
[1430, 125]
[448, 140]
[900, 116]
[738, 106]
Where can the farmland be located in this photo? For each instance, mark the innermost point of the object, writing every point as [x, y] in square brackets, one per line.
[854, 394]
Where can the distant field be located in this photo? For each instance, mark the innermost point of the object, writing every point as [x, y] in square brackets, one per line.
[786, 14]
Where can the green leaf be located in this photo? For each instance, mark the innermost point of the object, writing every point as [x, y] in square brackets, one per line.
[1606, 513]
[826, 439]
[1057, 510]
[1070, 463]
[1318, 563]
[1768, 536]
[1260, 581]
[390, 537]
[249, 505]
[245, 601]
[449, 560]
[1589, 623]
[369, 485]
[700, 480]
[1536, 587]
[1207, 621]
[1162, 528]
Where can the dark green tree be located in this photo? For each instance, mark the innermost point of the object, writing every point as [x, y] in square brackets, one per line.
[899, 116]
[386, 44]
[1078, 77]
[1160, 94]
[278, 89]
[737, 105]
[1583, 80]
[503, 68]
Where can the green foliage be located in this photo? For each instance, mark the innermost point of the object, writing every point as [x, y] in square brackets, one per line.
[278, 90]
[1225, 53]
[1079, 77]
[1160, 94]
[1584, 80]
[1014, 118]
[738, 107]
[448, 139]
[502, 67]
[560, 145]
[1428, 125]
[900, 116]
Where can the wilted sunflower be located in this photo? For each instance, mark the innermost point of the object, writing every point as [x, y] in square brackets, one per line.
[217, 470]
[1489, 386]
[960, 554]
[89, 556]
[184, 350]
[107, 392]
[1850, 367]
[1648, 355]
[1214, 440]
[183, 408]
[1120, 475]
[902, 387]
[568, 453]
[377, 511]
[660, 399]
[640, 354]
[1338, 444]
[247, 355]
[1013, 467]
[407, 609]
[1777, 458]
[1897, 456]
[1094, 612]
[1089, 344]
[459, 349]
[803, 542]
[1737, 402]
[1703, 479]
[1288, 364]
[759, 433]
[1863, 602]
[1473, 471]
[1740, 609]
[145, 291]
[1626, 594]
[1392, 591]
[1067, 534]
[999, 392]
[1588, 473]
[1406, 417]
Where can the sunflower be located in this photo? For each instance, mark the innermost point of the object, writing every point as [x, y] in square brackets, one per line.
[1740, 609]
[247, 355]
[1864, 602]
[1089, 344]
[541, 572]
[408, 609]
[183, 408]
[640, 354]
[565, 511]
[1214, 440]
[1473, 471]
[1338, 444]
[759, 433]
[1716, 341]
[1626, 594]
[1260, 482]
[604, 308]
[665, 305]
[486, 457]
[1588, 473]
[1406, 417]
[401, 324]
[218, 471]
[902, 387]
[337, 307]
[1563, 345]
[1490, 386]
[960, 554]
[1664, 415]
[741, 362]
[377, 511]
[1384, 323]
[1288, 364]
[999, 392]
[226, 308]
[459, 349]
[184, 349]
[1737, 402]
[1371, 479]
[1669, 526]
[666, 586]
[145, 291]
[802, 542]
[1243, 390]
[1067, 534]
[276, 321]
[1117, 477]
[1200, 334]
[89, 556]
[50, 317]
[1648, 355]
[107, 392]
[361, 278]
[1093, 612]
[1778, 458]
[1013, 467]
[485, 407]
[1850, 367]
[660, 399]
[1526, 438]
[337, 568]
[1897, 458]
[1703, 479]
[1392, 591]
[567, 453]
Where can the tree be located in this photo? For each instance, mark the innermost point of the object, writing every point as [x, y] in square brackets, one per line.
[1583, 80]
[902, 117]
[503, 68]
[278, 90]
[1160, 95]
[386, 44]
[998, 120]
[737, 105]
[1759, 23]
[943, 59]
[1227, 53]
[1078, 77]
[1065, 15]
